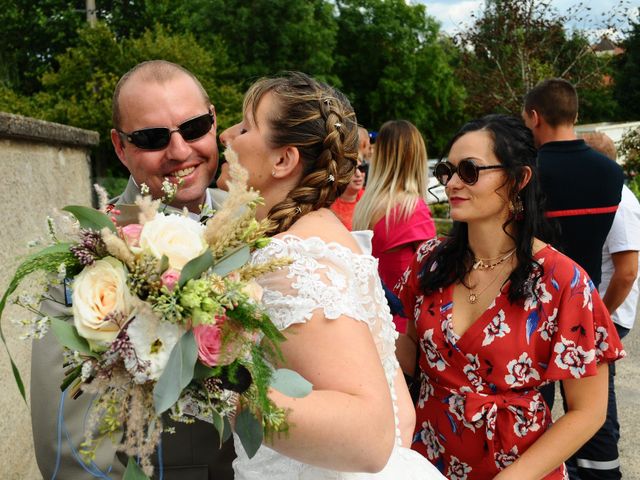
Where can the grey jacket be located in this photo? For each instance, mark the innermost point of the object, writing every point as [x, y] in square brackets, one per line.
[191, 453]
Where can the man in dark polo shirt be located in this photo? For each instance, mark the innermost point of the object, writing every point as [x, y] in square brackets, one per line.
[583, 190]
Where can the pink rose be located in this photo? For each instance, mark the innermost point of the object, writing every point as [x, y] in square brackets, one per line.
[131, 234]
[169, 278]
[209, 340]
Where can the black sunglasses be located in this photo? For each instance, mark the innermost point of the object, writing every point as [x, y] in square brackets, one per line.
[466, 169]
[363, 167]
[159, 137]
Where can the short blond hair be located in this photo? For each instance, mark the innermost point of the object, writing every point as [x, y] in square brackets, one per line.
[158, 71]
[602, 143]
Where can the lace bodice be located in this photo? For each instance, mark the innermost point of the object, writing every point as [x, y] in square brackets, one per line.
[333, 278]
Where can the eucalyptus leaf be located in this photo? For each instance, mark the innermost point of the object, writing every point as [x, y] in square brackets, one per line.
[290, 383]
[232, 261]
[196, 267]
[218, 421]
[227, 430]
[177, 374]
[90, 218]
[133, 471]
[69, 336]
[249, 429]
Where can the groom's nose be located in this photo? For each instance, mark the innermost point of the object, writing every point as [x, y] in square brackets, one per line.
[229, 134]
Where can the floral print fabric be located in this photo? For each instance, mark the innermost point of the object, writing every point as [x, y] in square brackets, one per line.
[479, 407]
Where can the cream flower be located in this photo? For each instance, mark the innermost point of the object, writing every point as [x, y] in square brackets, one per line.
[253, 290]
[179, 238]
[152, 339]
[100, 299]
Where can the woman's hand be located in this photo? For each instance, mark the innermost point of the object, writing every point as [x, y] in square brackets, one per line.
[586, 411]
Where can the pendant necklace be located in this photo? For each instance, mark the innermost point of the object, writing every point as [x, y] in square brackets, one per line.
[491, 263]
[473, 296]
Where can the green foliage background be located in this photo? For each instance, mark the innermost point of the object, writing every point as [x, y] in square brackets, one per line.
[388, 56]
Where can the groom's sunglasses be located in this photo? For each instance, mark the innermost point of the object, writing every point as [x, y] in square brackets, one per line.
[159, 137]
[466, 169]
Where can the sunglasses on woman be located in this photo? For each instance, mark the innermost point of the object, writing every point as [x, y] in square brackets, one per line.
[157, 138]
[466, 169]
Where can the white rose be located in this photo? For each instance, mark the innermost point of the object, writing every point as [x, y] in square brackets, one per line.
[179, 238]
[152, 339]
[101, 290]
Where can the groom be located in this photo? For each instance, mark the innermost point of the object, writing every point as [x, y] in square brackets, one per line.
[164, 127]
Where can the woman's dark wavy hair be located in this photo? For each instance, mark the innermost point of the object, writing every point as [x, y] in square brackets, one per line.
[513, 146]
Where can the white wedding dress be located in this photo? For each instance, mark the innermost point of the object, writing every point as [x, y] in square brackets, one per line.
[332, 277]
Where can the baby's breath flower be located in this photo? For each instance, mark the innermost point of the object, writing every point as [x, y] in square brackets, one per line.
[34, 328]
[88, 370]
[170, 189]
[62, 271]
[144, 189]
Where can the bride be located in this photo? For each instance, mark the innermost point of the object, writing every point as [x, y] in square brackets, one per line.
[298, 141]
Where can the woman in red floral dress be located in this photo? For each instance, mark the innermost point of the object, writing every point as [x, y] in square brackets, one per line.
[495, 313]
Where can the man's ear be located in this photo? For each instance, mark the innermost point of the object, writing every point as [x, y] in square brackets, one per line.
[118, 146]
[287, 162]
[535, 118]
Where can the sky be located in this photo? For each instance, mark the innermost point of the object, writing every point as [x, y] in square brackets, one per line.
[453, 14]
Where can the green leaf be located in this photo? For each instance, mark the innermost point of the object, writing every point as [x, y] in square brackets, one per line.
[31, 264]
[164, 263]
[218, 421]
[232, 261]
[177, 373]
[52, 249]
[196, 267]
[202, 371]
[69, 336]
[249, 429]
[133, 471]
[228, 430]
[290, 383]
[90, 217]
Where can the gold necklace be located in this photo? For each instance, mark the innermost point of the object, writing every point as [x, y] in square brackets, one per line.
[485, 263]
[473, 297]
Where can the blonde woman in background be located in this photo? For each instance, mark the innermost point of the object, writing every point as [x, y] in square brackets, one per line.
[393, 205]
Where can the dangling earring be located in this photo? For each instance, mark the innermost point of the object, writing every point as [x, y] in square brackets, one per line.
[516, 208]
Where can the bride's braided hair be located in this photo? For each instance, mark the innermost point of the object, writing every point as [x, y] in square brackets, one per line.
[320, 122]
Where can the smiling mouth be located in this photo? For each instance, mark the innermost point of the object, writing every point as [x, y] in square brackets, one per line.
[182, 173]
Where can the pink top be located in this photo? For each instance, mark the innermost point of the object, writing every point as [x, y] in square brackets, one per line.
[418, 227]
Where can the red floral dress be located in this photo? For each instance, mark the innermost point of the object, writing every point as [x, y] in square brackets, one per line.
[479, 407]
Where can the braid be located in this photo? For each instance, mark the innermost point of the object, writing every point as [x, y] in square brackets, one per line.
[321, 123]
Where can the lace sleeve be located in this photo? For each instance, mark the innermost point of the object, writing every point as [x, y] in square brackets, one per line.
[322, 276]
[330, 277]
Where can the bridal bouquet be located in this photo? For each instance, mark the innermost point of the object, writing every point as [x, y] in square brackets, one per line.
[165, 317]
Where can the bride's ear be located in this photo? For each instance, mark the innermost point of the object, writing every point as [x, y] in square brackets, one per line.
[288, 162]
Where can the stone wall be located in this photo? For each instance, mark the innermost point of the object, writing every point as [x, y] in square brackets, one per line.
[45, 166]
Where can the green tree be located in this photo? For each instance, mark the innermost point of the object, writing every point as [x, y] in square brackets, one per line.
[266, 36]
[627, 76]
[32, 33]
[393, 64]
[629, 149]
[513, 44]
[79, 92]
